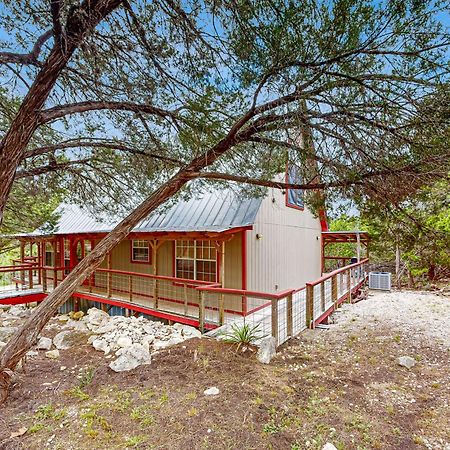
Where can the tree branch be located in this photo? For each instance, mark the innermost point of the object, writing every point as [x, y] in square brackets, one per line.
[53, 167]
[110, 145]
[27, 58]
[57, 112]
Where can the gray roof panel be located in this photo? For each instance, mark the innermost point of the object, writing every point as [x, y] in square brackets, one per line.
[215, 211]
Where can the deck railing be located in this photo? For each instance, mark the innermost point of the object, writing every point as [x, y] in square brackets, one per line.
[281, 315]
[287, 313]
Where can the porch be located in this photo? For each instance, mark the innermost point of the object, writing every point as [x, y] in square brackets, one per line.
[203, 304]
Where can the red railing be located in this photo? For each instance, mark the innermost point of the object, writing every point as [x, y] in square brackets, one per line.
[282, 314]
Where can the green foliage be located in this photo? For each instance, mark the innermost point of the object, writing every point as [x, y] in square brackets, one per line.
[242, 334]
[420, 226]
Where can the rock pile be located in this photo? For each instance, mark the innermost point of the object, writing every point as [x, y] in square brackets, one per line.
[131, 339]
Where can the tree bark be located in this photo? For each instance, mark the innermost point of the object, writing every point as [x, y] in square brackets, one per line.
[80, 22]
[27, 335]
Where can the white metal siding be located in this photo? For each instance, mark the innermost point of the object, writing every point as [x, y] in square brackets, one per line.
[288, 254]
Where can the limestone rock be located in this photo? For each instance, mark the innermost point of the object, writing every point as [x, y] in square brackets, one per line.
[406, 361]
[124, 341]
[267, 349]
[2, 344]
[44, 343]
[7, 332]
[97, 317]
[101, 345]
[52, 354]
[76, 315]
[329, 446]
[130, 358]
[19, 311]
[212, 391]
[190, 332]
[67, 339]
[32, 354]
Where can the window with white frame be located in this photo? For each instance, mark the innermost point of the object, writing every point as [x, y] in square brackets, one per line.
[140, 251]
[196, 260]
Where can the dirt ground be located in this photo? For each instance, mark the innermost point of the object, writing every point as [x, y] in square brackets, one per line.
[341, 385]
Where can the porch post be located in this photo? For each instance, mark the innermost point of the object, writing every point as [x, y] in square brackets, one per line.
[30, 272]
[222, 282]
[22, 259]
[358, 246]
[39, 261]
[155, 246]
[109, 275]
[55, 272]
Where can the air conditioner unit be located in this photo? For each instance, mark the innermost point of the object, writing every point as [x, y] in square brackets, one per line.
[380, 281]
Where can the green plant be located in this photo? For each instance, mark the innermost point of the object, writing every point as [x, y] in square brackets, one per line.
[242, 334]
[86, 377]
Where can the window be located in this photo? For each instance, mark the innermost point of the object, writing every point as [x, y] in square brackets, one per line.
[196, 260]
[66, 256]
[49, 260]
[140, 251]
[294, 197]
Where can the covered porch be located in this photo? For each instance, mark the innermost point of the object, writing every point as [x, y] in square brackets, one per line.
[341, 248]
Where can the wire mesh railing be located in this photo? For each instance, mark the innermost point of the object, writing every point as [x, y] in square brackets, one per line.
[280, 315]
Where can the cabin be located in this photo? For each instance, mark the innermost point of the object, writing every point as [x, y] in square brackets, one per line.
[204, 261]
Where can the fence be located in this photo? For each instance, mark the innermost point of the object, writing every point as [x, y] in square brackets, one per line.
[288, 313]
[17, 278]
[280, 315]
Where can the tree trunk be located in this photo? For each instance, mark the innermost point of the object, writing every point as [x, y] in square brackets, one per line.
[27, 335]
[22, 128]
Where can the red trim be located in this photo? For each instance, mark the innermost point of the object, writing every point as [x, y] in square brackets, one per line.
[21, 299]
[322, 317]
[323, 219]
[150, 251]
[244, 269]
[141, 309]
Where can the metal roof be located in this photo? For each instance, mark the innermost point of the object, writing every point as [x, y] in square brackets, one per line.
[215, 211]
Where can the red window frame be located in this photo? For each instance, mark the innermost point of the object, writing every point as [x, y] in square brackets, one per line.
[286, 195]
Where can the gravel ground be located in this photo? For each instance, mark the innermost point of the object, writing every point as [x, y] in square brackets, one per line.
[423, 314]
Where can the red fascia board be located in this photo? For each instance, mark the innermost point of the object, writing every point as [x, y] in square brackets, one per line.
[141, 309]
[21, 299]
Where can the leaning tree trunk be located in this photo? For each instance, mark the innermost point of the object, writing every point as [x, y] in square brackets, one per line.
[27, 335]
[12, 147]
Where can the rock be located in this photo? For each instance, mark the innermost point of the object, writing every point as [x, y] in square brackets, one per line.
[124, 341]
[406, 361]
[52, 354]
[159, 345]
[130, 358]
[212, 391]
[67, 339]
[97, 317]
[190, 332]
[107, 328]
[329, 446]
[267, 349]
[32, 354]
[44, 343]
[7, 332]
[62, 340]
[63, 318]
[148, 339]
[19, 311]
[2, 344]
[101, 345]
[76, 315]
